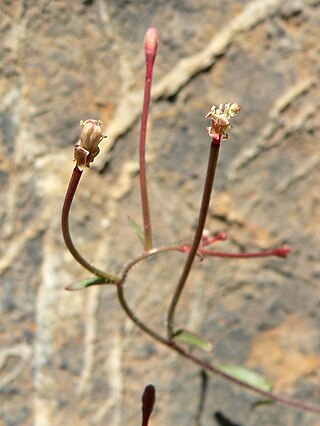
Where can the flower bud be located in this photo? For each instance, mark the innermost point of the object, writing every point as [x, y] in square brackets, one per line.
[283, 251]
[151, 42]
[86, 149]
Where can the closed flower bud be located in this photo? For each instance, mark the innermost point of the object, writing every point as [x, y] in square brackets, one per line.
[151, 42]
[86, 149]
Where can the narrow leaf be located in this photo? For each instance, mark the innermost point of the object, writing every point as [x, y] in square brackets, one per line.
[261, 402]
[248, 376]
[80, 285]
[183, 336]
[136, 229]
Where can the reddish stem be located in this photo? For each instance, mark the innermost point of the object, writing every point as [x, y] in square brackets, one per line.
[72, 187]
[280, 399]
[151, 44]
[280, 252]
[211, 168]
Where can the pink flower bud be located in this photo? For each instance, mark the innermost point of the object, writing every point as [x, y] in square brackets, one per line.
[283, 251]
[222, 236]
[151, 42]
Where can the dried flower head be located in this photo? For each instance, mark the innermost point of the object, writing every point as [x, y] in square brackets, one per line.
[86, 149]
[220, 120]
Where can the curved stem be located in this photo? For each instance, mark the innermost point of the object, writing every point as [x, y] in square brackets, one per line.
[280, 399]
[211, 168]
[72, 187]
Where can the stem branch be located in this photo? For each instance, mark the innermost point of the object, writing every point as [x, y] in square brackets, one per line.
[280, 399]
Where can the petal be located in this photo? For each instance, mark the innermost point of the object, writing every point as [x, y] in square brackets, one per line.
[81, 157]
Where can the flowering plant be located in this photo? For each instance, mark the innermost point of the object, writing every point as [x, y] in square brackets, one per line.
[85, 152]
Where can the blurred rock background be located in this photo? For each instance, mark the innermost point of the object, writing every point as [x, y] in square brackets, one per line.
[74, 358]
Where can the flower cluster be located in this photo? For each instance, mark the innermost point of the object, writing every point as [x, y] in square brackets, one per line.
[220, 120]
[86, 149]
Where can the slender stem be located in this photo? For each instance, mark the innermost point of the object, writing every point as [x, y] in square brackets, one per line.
[185, 248]
[278, 252]
[143, 177]
[247, 255]
[280, 399]
[151, 50]
[72, 187]
[211, 168]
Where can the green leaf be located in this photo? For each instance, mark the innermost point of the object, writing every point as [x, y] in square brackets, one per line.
[261, 402]
[80, 285]
[183, 336]
[248, 376]
[136, 229]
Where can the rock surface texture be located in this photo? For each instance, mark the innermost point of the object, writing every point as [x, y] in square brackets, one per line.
[74, 358]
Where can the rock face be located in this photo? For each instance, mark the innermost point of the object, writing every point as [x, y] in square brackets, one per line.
[74, 358]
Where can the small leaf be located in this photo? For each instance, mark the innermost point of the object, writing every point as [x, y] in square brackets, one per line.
[80, 285]
[248, 376]
[262, 402]
[136, 229]
[183, 336]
